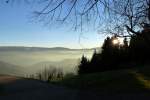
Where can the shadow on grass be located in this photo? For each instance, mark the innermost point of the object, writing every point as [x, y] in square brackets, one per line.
[144, 80]
[119, 81]
[1, 89]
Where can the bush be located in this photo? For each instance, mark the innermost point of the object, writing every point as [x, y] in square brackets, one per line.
[49, 74]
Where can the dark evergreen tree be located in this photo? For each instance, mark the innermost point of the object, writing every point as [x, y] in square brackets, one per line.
[95, 58]
[140, 46]
[83, 66]
[110, 53]
[108, 59]
[125, 43]
[95, 62]
[124, 53]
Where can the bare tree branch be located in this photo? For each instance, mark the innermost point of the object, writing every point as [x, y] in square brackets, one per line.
[120, 15]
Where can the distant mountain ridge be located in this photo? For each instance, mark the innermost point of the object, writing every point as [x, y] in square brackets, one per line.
[23, 48]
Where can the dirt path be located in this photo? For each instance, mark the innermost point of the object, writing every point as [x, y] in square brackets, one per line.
[27, 89]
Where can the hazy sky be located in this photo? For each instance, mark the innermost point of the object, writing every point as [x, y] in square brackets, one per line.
[17, 29]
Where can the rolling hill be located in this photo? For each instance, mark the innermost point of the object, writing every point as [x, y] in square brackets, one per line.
[10, 69]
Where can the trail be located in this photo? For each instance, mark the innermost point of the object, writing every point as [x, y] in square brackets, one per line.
[15, 88]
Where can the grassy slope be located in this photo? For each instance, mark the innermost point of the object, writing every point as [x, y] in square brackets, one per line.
[128, 80]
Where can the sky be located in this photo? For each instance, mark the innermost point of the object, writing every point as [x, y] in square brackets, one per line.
[18, 28]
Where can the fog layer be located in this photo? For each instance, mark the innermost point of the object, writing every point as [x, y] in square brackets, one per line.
[31, 60]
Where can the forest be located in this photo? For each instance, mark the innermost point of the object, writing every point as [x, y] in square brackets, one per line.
[116, 55]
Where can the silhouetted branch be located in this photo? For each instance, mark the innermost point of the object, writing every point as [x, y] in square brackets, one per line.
[124, 13]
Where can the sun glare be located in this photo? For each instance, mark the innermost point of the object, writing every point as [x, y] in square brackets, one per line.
[115, 41]
[118, 41]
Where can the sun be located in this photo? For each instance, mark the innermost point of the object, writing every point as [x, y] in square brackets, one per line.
[118, 41]
[115, 41]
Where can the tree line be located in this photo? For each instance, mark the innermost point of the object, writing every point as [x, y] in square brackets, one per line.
[132, 52]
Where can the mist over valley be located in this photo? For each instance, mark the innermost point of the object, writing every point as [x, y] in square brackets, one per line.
[21, 61]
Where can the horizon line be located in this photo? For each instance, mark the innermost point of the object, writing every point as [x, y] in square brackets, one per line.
[45, 47]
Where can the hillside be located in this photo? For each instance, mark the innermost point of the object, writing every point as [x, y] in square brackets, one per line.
[126, 84]
[134, 80]
[10, 69]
